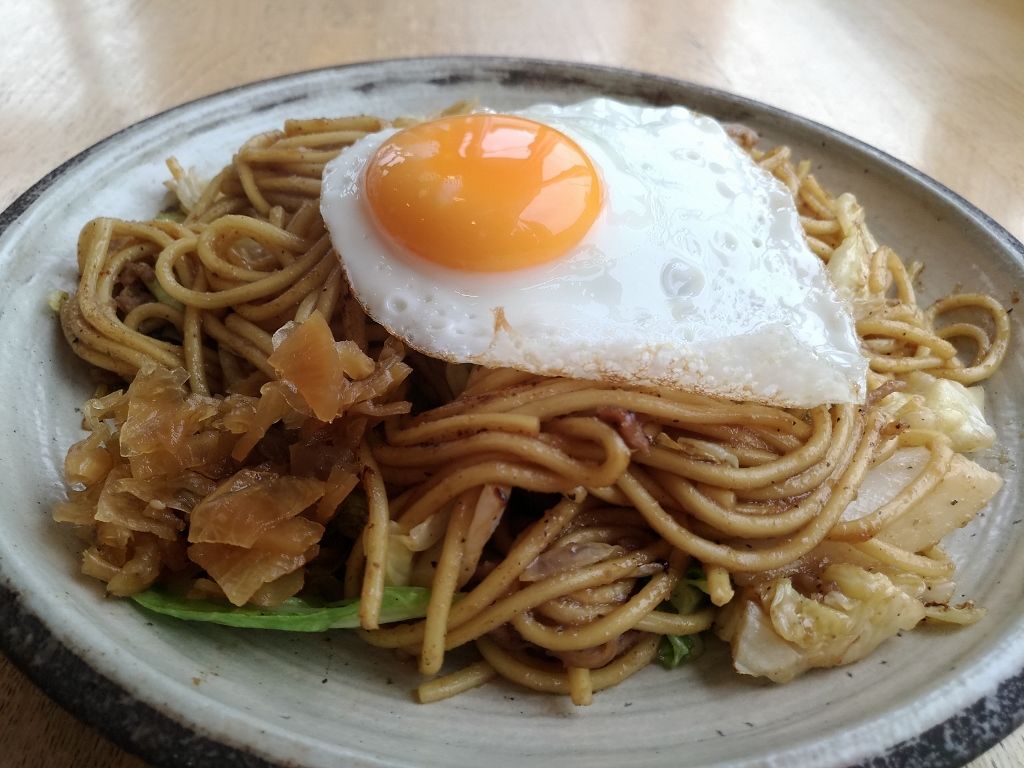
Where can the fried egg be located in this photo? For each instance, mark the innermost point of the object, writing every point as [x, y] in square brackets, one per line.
[599, 240]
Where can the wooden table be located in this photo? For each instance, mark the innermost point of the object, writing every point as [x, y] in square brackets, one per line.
[938, 84]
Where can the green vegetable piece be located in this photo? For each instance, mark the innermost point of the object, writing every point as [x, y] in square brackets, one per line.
[679, 649]
[695, 577]
[295, 614]
[55, 300]
[686, 598]
[161, 295]
[171, 214]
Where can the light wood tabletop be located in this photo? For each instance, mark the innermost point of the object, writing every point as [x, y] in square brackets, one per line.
[937, 84]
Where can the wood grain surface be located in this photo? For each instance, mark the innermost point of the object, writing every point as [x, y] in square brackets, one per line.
[939, 84]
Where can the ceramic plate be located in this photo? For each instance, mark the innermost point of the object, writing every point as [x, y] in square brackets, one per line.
[181, 693]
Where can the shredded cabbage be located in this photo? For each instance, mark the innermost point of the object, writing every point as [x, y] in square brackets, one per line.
[187, 186]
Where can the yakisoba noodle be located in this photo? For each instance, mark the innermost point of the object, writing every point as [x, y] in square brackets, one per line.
[554, 520]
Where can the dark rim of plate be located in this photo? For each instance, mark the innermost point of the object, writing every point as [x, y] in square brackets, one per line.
[164, 741]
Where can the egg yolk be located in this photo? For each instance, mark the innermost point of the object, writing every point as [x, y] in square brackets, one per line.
[487, 193]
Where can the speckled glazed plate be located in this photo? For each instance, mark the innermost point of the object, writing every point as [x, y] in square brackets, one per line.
[187, 694]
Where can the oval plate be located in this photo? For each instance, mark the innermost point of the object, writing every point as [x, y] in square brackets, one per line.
[181, 693]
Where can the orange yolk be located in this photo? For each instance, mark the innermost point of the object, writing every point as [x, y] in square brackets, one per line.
[487, 193]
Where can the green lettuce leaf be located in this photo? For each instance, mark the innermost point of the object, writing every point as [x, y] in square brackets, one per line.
[295, 614]
[679, 649]
[695, 577]
[686, 599]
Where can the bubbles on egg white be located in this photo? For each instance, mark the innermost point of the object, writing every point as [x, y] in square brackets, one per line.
[679, 279]
[725, 190]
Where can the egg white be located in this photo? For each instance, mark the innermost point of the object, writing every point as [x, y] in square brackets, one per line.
[695, 275]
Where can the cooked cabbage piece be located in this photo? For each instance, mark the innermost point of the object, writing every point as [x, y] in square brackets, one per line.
[781, 633]
[962, 492]
[947, 406]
